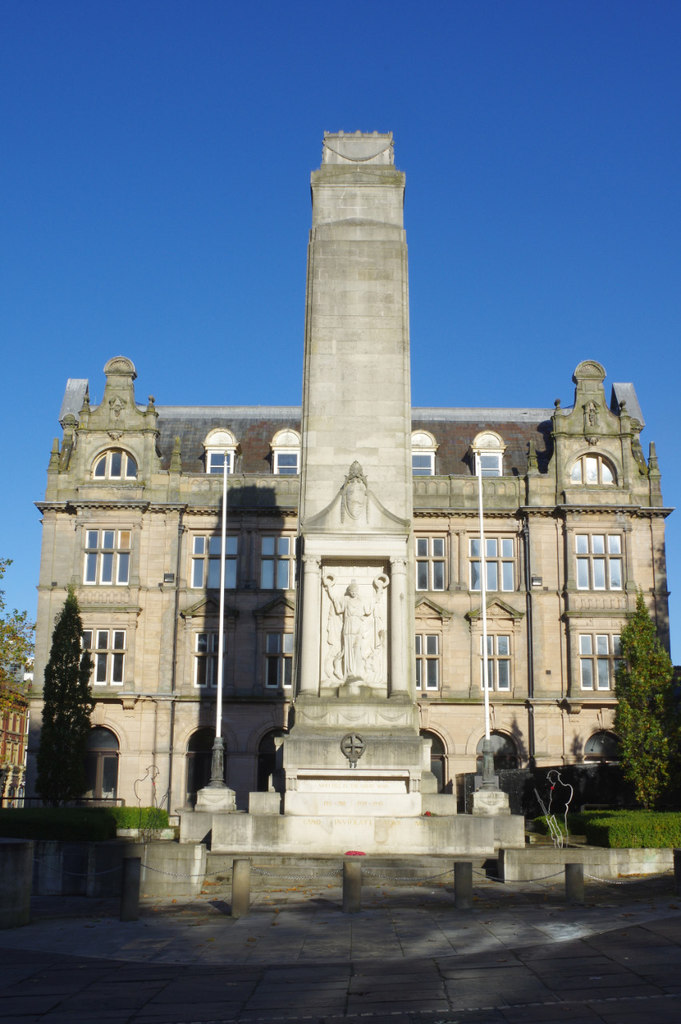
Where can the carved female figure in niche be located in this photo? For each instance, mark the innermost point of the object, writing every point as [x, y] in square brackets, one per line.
[355, 630]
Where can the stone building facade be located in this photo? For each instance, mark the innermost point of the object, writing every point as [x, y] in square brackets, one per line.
[574, 525]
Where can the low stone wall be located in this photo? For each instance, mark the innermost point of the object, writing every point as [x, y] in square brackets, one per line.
[16, 859]
[95, 869]
[533, 863]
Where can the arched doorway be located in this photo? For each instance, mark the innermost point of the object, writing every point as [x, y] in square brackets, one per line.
[504, 750]
[437, 758]
[267, 758]
[199, 761]
[101, 764]
[602, 746]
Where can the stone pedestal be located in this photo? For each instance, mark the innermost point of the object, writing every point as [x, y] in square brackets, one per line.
[490, 802]
[216, 798]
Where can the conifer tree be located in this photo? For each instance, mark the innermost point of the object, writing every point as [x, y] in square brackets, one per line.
[646, 720]
[66, 711]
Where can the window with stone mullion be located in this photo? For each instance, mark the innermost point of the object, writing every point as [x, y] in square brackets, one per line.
[430, 563]
[599, 561]
[107, 649]
[278, 660]
[107, 557]
[499, 563]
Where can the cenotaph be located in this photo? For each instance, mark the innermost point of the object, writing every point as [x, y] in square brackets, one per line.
[354, 773]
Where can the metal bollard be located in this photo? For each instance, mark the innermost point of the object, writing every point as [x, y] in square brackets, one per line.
[130, 889]
[352, 886]
[463, 884]
[574, 883]
[677, 872]
[241, 887]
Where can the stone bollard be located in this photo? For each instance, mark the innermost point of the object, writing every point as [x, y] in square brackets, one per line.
[677, 872]
[241, 887]
[463, 885]
[574, 883]
[16, 877]
[352, 886]
[130, 889]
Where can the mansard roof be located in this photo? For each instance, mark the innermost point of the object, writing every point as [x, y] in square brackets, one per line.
[255, 426]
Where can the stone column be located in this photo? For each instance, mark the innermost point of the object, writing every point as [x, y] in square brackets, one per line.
[309, 635]
[400, 628]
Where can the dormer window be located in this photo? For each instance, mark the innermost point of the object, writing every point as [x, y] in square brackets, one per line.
[592, 470]
[423, 448]
[220, 447]
[488, 450]
[286, 453]
[115, 465]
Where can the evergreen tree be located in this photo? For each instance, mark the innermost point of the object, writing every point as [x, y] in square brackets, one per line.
[66, 712]
[646, 719]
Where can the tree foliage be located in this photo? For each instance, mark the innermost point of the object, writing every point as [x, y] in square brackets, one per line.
[646, 719]
[66, 711]
[16, 647]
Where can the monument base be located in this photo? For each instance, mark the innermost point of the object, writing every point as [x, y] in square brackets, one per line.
[216, 798]
[490, 802]
[454, 835]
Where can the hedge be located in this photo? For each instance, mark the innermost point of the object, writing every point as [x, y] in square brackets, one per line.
[623, 829]
[77, 823]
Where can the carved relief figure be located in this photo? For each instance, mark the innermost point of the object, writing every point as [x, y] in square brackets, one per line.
[354, 501]
[590, 415]
[356, 632]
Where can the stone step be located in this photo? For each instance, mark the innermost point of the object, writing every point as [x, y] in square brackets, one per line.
[267, 871]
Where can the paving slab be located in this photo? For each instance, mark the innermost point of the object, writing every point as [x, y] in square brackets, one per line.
[408, 957]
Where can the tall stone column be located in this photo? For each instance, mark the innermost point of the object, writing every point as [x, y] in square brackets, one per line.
[400, 627]
[356, 376]
[310, 636]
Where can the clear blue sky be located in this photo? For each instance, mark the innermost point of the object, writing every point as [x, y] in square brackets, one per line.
[155, 204]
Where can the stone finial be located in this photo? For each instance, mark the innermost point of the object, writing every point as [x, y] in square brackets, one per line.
[54, 455]
[653, 466]
[176, 457]
[532, 464]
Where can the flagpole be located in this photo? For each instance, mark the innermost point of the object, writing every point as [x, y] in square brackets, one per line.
[217, 774]
[489, 780]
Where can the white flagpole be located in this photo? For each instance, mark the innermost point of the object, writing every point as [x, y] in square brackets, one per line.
[483, 595]
[217, 776]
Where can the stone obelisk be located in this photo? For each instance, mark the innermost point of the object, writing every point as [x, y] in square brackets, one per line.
[356, 721]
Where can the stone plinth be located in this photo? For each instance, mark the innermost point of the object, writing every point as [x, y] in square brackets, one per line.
[490, 802]
[336, 834]
[380, 792]
[216, 798]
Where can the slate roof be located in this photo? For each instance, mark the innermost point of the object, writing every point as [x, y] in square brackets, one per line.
[255, 426]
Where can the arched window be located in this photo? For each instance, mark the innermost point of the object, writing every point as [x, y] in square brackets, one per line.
[101, 764]
[220, 445]
[267, 758]
[199, 761]
[594, 471]
[504, 750]
[437, 757]
[423, 448]
[286, 453]
[115, 464]
[488, 447]
[602, 746]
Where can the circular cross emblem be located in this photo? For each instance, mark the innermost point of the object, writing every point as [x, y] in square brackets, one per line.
[352, 746]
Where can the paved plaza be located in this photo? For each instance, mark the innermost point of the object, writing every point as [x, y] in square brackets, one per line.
[408, 957]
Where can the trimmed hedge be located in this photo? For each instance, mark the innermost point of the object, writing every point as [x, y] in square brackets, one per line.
[77, 823]
[623, 829]
[139, 817]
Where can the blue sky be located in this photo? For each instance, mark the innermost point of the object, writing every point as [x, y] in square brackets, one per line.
[155, 204]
